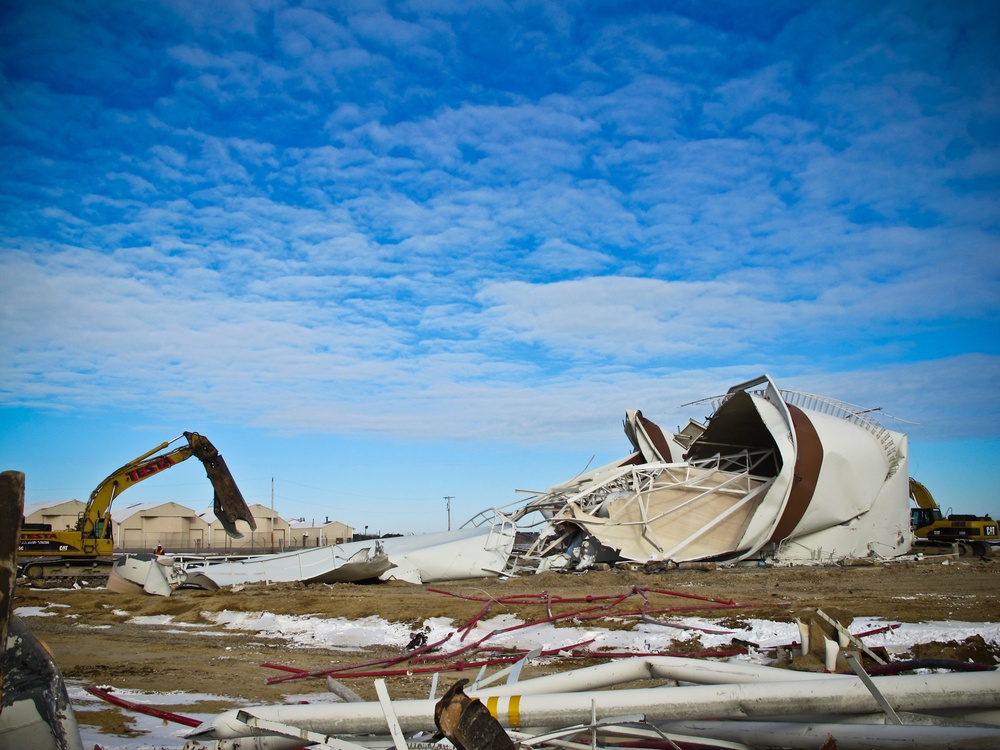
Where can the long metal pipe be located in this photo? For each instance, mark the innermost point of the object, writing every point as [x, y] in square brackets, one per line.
[679, 668]
[743, 701]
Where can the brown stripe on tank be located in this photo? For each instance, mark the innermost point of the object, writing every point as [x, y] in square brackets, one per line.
[656, 437]
[808, 461]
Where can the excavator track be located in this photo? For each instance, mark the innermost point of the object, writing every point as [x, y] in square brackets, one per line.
[59, 570]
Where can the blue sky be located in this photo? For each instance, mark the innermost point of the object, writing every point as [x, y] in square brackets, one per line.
[384, 253]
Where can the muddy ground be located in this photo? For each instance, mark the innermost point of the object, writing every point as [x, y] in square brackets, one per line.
[162, 658]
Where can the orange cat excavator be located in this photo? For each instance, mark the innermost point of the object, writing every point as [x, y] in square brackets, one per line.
[86, 550]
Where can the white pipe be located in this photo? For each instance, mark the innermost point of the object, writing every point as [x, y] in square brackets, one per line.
[269, 742]
[981, 717]
[679, 668]
[820, 696]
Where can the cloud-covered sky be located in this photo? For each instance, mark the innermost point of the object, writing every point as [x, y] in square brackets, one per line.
[385, 253]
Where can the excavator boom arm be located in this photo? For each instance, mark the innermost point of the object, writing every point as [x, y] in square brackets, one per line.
[228, 504]
[921, 495]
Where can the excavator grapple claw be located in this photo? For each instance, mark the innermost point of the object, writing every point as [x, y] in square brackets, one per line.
[229, 505]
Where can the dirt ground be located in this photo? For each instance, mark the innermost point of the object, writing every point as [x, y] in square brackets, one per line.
[93, 643]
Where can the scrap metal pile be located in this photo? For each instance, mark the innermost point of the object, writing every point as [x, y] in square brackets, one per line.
[691, 704]
[774, 475]
[856, 697]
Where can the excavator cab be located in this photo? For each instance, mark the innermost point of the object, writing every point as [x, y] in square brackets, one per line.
[921, 517]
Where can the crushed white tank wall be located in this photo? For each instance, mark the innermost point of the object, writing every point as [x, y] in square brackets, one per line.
[421, 558]
[476, 552]
[774, 416]
[773, 473]
[854, 468]
[883, 530]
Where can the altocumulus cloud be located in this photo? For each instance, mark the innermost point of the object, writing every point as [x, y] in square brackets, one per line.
[513, 222]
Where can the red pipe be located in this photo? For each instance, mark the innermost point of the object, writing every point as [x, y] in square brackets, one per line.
[284, 667]
[529, 598]
[462, 665]
[332, 670]
[464, 630]
[106, 695]
[544, 598]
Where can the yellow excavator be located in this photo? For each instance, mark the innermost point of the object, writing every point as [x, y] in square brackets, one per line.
[86, 550]
[972, 535]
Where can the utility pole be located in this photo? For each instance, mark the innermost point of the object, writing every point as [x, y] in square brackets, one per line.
[272, 515]
[448, 499]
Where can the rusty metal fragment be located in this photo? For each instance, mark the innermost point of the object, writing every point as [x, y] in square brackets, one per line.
[468, 723]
